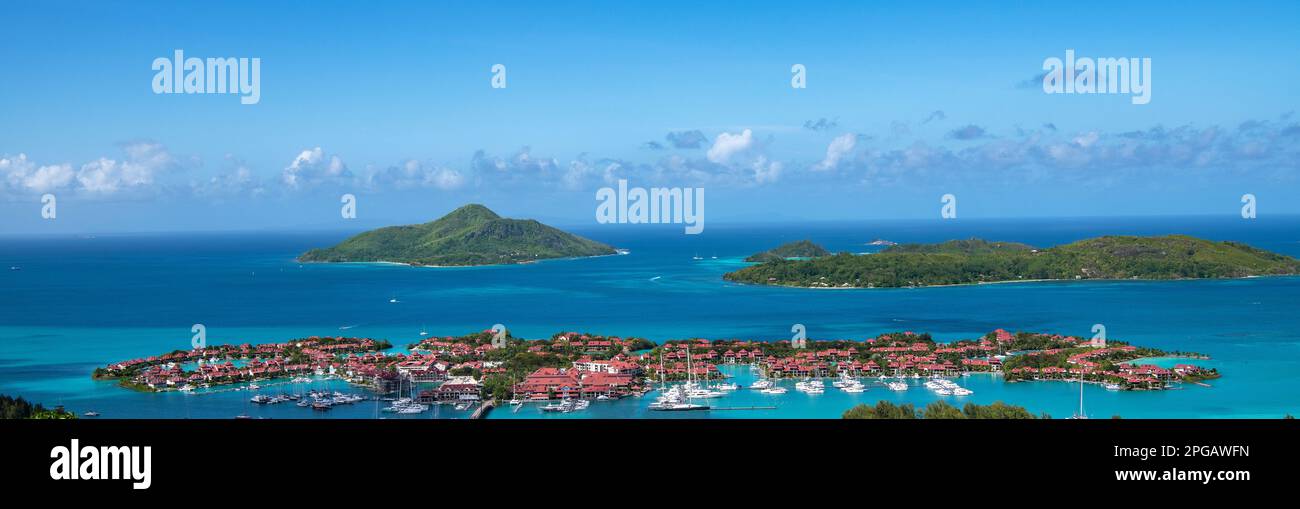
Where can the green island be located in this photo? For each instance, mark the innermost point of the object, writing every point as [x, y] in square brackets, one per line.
[19, 408]
[797, 249]
[976, 261]
[469, 235]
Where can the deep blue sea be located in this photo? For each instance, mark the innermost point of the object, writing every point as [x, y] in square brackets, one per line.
[83, 301]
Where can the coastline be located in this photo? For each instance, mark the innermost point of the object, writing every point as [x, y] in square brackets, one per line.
[980, 283]
[422, 266]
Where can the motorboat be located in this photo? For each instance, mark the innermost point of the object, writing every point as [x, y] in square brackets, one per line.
[761, 384]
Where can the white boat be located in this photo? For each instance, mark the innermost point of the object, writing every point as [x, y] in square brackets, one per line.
[943, 392]
[562, 406]
[854, 388]
[704, 393]
[962, 391]
[761, 384]
[774, 390]
[726, 386]
[1112, 387]
[896, 386]
[675, 399]
[187, 388]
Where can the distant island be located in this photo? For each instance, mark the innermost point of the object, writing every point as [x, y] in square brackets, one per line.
[470, 235]
[978, 261]
[797, 249]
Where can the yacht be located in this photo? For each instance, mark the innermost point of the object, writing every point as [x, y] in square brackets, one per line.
[896, 386]
[187, 388]
[853, 388]
[1111, 387]
[774, 390]
[943, 392]
[674, 399]
[729, 386]
[962, 391]
[562, 406]
[704, 393]
[761, 384]
[91, 413]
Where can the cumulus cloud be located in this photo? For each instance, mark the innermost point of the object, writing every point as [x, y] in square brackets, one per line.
[523, 164]
[1261, 147]
[313, 168]
[22, 176]
[839, 147]
[414, 174]
[143, 164]
[728, 146]
[238, 181]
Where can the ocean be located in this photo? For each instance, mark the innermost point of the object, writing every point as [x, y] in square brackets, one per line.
[79, 302]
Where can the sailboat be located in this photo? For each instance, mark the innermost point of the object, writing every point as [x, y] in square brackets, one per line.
[675, 400]
[1080, 414]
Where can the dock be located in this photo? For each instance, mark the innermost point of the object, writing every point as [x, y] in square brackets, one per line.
[483, 409]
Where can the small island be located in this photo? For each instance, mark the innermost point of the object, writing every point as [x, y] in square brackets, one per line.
[469, 235]
[802, 249]
[977, 261]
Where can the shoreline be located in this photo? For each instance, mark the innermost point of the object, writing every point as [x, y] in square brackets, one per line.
[1015, 281]
[422, 266]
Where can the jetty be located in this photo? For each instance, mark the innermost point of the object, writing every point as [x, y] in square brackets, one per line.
[483, 409]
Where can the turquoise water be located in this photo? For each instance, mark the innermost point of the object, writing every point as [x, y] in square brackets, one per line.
[81, 302]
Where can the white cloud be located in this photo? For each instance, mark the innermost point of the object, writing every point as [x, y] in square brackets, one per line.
[414, 175]
[20, 175]
[728, 146]
[139, 171]
[312, 168]
[839, 147]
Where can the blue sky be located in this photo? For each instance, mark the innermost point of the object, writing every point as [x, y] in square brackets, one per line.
[391, 101]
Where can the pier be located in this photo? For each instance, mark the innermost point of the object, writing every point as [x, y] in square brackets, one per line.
[483, 409]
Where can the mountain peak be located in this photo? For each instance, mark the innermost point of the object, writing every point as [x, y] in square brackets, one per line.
[472, 210]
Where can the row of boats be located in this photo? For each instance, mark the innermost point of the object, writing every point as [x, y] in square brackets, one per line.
[566, 405]
[945, 387]
[317, 400]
